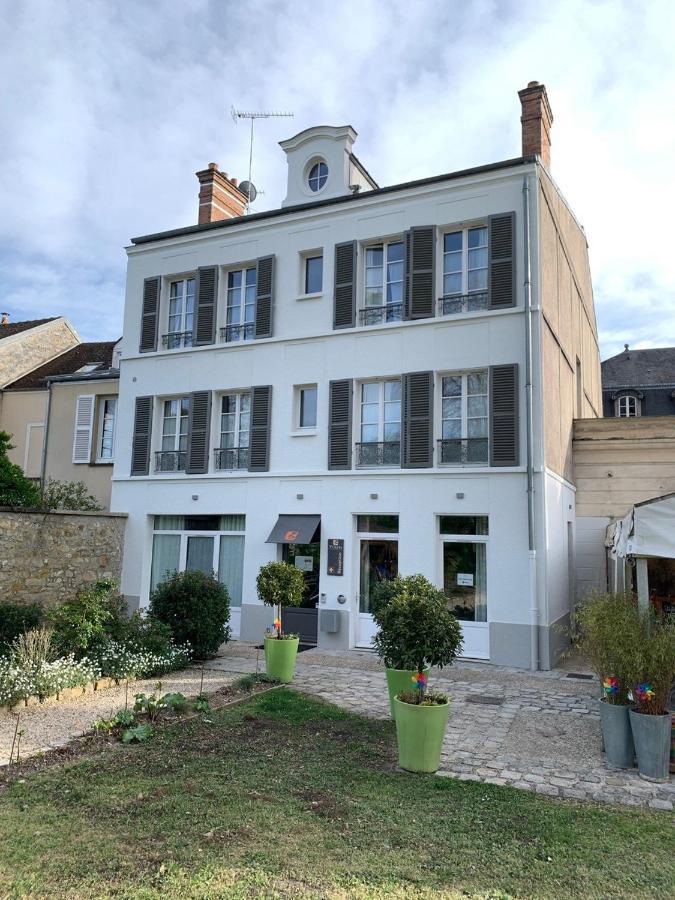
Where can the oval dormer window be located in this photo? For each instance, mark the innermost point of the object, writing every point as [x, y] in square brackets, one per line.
[318, 176]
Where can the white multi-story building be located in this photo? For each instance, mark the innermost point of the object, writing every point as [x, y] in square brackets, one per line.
[365, 381]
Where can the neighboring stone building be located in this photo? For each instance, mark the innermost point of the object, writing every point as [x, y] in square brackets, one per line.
[639, 383]
[72, 403]
[364, 381]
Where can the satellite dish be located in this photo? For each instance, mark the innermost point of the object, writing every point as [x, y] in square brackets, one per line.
[248, 188]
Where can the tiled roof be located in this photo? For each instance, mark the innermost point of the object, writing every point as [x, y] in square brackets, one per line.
[16, 327]
[639, 368]
[67, 363]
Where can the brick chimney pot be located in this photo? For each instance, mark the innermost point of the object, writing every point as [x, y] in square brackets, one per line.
[219, 198]
[536, 121]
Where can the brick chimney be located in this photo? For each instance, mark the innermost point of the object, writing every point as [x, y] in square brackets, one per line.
[536, 120]
[219, 196]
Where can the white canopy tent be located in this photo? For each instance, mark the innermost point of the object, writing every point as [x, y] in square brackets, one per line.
[646, 531]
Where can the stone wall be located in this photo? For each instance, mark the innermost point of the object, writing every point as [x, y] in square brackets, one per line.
[46, 557]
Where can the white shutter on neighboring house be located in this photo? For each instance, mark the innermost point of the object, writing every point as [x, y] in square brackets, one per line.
[84, 427]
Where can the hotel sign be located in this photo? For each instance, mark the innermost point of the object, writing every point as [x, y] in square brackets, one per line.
[336, 556]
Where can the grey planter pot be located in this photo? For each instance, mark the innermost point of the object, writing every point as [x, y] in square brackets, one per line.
[652, 745]
[617, 737]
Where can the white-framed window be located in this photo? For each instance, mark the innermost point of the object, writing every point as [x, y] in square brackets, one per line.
[318, 176]
[464, 418]
[209, 544]
[305, 407]
[235, 425]
[240, 312]
[464, 540]
[181, 313]
[627, 406]
[465, 270]
[380, 423]
[384, 283]
[313, 274]
[107, 413]
[171, 456]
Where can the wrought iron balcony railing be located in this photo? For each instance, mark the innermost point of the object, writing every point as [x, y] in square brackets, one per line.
[376, 315]
[177, 339]
[244, 332]
[170, 460]
[378, 453]
[454, 304]
[230, 458]
[463, 452]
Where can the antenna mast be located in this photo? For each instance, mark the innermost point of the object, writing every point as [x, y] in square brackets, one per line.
[244, 114]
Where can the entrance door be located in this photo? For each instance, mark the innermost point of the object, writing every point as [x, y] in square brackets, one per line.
[464, 582]
[378, 561]
[303, 619]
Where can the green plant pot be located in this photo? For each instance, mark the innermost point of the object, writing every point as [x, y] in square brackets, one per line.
[652, 745]
[419, 732]
[617, 736]
[399, 680]
[280, 657]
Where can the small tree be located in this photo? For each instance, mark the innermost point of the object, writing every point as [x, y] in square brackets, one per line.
[85, 621]
[655, 663]
[68, 495]
[280, 583]
[15, 488]
[197, 609]
[416, 628]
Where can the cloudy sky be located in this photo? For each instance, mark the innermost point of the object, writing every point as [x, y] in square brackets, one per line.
[110, 106]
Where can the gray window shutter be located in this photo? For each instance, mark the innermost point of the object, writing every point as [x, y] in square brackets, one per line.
[207, 301]
[140, 447]
[150, 315]
[504, 415]
[502, 261]
[199, 432]
[340, 424]
[417, 403]
[259, 436]
[344, 302]
[420, 297]
[264, 297]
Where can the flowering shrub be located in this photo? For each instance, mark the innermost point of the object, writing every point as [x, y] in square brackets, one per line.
[18, 681]
[117, 660]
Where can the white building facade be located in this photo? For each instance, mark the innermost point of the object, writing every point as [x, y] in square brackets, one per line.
[343, 383]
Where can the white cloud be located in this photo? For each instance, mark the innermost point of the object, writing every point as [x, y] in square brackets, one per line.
[112, 106]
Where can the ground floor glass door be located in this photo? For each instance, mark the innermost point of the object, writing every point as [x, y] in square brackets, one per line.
[464, 560]
[304, 619]
[378, 562]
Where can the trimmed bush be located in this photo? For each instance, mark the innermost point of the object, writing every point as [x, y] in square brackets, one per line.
[196, 607]
[15, 620]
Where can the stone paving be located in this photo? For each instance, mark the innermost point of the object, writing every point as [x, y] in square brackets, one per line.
[534, 731]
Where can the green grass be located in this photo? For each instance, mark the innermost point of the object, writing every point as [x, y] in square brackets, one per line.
[283, 796]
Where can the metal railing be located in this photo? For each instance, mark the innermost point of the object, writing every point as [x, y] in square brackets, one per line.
[378, 453]
[170, 460]
[177, 339]
[230, 458]
[376, 315]
[454, 304]
[243, 332]
[463, 452]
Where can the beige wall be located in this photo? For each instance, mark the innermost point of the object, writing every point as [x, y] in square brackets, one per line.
[23, 352]
[569, 331]
[22, 414]
[59, 458]
[619, 462]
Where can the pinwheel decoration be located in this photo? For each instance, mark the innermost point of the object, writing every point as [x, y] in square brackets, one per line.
[420, 680]
[610, 685]
[644, 692]
[277, 625]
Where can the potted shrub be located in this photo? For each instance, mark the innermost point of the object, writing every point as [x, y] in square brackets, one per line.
[605, 629]
[280, 584]
[416, 619]
[399, 666]
[649, 718]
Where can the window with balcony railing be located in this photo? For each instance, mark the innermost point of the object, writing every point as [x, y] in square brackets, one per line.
[380, 424]
[181, 314]
[235, 416]
[465, 267]
[171, 456]
[384, 280]
[464, 420]
[240, 313]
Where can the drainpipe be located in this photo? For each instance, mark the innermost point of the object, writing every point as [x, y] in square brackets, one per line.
[43, 461]
[531, 534]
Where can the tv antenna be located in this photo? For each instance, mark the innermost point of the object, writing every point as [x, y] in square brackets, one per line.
[247, 187]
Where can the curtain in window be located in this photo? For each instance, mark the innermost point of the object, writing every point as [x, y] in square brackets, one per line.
[232, 522]
[169, 523]
[480, 608]
[199, 554]
[165, 558]
[231, 565]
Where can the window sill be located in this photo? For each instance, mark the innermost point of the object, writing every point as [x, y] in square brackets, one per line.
[104, 462]
[317, 296]
[304, 432]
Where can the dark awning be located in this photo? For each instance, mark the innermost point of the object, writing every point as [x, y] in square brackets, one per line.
[294, 530]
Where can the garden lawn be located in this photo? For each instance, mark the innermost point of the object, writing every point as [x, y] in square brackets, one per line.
[285, 796]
